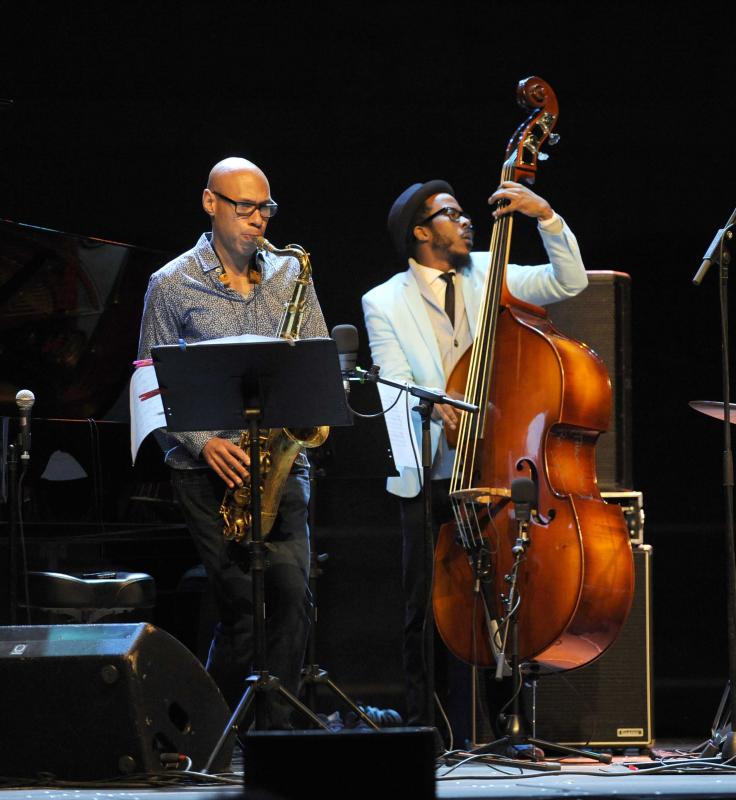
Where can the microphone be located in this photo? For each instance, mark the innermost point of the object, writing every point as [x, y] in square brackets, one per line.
[346, 339]
[25, 400]
[524, 497]
[711, 254]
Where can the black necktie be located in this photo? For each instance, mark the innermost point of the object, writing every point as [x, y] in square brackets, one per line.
[448, 278]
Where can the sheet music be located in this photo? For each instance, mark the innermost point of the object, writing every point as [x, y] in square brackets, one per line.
[145, 415]
[400, 433]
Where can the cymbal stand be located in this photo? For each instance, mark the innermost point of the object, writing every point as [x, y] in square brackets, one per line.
[719, 253]
[312, 674]
[260, 682]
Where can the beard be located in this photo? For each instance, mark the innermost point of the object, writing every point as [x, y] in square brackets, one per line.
[445, 247]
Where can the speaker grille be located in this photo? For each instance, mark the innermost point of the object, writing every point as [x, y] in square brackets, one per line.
[608, 702]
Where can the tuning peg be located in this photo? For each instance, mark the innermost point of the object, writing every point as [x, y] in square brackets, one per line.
[553, 139]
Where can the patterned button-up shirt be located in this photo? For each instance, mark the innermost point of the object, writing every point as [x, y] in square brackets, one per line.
[187, 301]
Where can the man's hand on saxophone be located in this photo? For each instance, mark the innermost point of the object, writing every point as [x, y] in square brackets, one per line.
[228, 460]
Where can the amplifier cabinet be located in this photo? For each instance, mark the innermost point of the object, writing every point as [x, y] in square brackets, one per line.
[607, 703]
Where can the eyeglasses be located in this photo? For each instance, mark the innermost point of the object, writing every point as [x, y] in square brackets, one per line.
[453, 214]
[244, 208]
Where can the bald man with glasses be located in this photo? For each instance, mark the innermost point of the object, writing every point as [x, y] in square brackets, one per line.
[224, 286]
[419, 323]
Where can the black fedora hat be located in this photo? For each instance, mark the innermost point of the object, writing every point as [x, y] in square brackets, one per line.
[405, 207]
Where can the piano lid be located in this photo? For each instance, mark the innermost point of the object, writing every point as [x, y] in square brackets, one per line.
[70, 309]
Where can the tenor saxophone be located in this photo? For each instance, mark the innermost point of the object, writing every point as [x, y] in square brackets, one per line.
[279, 447]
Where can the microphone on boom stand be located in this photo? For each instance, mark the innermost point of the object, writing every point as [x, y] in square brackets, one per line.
[346, 339]
[24, 400]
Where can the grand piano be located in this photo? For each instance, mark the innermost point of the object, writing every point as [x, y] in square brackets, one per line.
[70, 310]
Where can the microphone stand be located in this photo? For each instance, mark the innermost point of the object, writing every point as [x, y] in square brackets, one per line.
[427, 398]
[261, 681]
[13, 533]
[523, 496]
[19, 455]
[718, 253]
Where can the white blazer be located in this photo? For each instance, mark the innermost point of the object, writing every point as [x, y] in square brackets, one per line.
[402, 340]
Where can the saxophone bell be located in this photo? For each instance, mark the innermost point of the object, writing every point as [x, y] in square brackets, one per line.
[308, 437]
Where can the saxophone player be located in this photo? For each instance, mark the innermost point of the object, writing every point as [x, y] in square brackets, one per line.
[226, 286]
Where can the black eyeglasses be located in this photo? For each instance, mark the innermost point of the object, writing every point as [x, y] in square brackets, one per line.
[453, 214]
[244, 208]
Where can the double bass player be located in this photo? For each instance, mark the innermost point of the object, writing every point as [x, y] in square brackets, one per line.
[419, 323]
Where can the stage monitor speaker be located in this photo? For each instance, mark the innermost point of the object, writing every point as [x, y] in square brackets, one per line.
[392, 762]
[89, 702]
[601, 318]
[609, 702]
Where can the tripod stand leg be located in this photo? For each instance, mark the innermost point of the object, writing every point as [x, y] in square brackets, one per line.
[258, 685]
[604, 758]
[512, 741]
[233, 722]
[722, 739]
[348, 702]
[313, 675]
[299, 706]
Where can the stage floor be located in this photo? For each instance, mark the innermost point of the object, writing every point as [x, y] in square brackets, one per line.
[489, 777]
[626, 777]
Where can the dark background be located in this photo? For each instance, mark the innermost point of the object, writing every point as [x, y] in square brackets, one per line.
[120, 109]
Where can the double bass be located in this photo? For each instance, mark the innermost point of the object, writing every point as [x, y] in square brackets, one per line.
[544, 400]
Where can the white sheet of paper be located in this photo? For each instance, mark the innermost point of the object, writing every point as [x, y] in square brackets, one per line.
[243, 338]
[145, 415]
[148, 415]
[400, 434]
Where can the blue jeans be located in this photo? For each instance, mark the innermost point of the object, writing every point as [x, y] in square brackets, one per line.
[230, 661]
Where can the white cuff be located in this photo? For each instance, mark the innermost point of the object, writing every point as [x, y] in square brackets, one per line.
[546, 224]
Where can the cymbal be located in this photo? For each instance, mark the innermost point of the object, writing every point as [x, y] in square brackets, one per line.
[714, 408]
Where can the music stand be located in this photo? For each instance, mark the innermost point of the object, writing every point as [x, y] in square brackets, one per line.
[253, 380]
